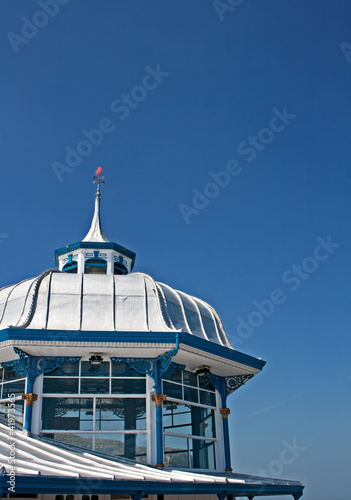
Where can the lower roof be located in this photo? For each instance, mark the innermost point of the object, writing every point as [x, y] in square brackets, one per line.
[43, 467]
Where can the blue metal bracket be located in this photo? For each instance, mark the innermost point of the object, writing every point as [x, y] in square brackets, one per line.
[32, 366]
[144, 366]
[137, 496]
[174, 367]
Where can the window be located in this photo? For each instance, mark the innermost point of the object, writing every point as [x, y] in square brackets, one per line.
[70, 267]
[119, 269]
[102, 408]
[189, 421]
[12, 385]
[95, 266]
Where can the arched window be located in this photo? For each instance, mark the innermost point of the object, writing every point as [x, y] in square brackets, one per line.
[95, 266]
[70, 267]
[119, 269]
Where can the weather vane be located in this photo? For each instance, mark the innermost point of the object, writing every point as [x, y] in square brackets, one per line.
[98, 179]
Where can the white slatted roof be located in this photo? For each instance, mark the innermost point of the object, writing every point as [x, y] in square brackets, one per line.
[38, 457]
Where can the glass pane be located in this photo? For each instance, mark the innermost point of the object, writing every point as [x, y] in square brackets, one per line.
[89, 370]
[202, 454]
[67, 413]
[128, 386]
[203, 422]
[82, 440]
[191, 394]
[204, 383]
[117, 414]
[176, 452]
[1, 373]
[123, 370]
[132, 446]
[10, 374]
[210, 328]
[17, 388]
[190, 378]
[94, 386]
[175, 377]
[175, 312]
[60, 385]
[66, 369]
[177, 418]
[172, 390]
[207, 398]
[193, 320]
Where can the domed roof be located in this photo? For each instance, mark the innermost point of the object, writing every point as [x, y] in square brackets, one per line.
[95, 302]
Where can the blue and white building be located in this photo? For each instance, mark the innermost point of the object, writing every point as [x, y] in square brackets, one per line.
[115, 386]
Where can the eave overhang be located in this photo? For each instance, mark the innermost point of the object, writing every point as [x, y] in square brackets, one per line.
[193, 351]
[52, 484]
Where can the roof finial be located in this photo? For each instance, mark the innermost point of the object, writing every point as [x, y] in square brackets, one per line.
[96, 233]
[98, 180]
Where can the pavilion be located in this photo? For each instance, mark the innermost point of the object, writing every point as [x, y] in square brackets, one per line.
[115, 386]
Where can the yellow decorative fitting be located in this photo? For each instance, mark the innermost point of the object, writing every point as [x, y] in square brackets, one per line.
[158, 398]
[30, 398]
[224, 412]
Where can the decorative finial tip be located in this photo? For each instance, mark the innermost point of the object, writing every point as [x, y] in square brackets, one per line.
[98, 178]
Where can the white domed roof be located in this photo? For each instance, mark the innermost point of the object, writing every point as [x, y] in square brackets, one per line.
[92, 302]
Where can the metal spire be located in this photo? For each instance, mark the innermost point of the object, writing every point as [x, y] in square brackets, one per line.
[96, 233]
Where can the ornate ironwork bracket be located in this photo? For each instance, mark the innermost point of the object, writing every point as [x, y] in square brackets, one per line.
[144, 366]
[174, 367]
[234, 382]
[221, 496]
[215, 380]
[137, 496]
[21, 365]
[33, 366]
[165, 362]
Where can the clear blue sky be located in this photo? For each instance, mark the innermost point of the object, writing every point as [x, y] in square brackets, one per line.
[223, 79]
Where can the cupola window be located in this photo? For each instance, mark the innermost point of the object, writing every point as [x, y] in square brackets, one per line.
[95, 266]
[71, 266]
[119, 269]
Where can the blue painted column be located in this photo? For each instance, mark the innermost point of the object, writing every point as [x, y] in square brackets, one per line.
[162, 363]
[29, 397]
[225, 412]
[158, 399]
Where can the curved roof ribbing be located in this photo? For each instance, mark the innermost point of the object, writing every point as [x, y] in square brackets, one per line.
[93, 302]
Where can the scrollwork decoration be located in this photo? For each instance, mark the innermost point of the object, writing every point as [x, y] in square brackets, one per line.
[234, 382]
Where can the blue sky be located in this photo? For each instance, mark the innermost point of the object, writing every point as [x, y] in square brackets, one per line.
[260, 91]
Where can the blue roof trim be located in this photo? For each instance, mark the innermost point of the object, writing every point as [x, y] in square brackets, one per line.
[53, 484]
[137, 337]
[87, 244]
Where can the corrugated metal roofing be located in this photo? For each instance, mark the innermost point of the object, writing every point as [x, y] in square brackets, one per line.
[37, 457]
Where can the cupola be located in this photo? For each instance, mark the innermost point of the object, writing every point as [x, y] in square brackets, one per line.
[95, 254]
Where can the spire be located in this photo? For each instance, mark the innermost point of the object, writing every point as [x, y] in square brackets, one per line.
[96, 233]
